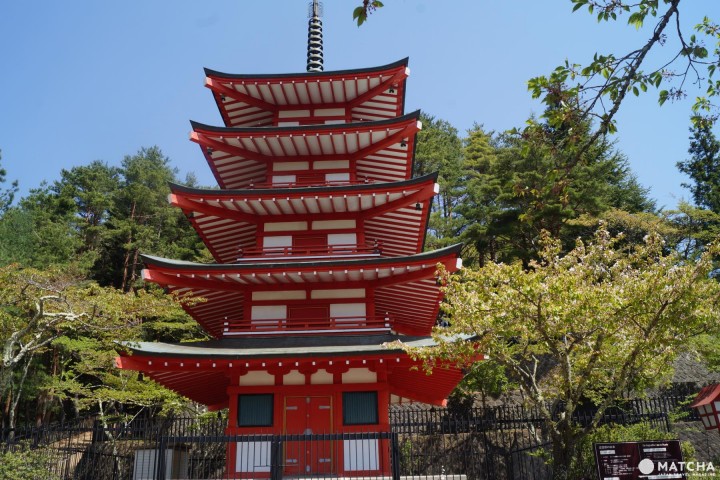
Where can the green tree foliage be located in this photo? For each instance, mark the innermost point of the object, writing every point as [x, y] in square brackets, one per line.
[699, 224]
[142, 220]
[77, 323]
[88, 194]
[693, 228]
[703, 166]
[486, 380]
[17, 237]
[596, 91]
[588, 326]
[439, 149]
[7, 195]
[24, 462]
[522, 183]
[360, 14]
[82, 235]
[99, 218]
[498, 192]
[64, 222]
[45, 232]
[633, 227]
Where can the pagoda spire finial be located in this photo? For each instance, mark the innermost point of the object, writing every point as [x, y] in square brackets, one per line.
[315, 45]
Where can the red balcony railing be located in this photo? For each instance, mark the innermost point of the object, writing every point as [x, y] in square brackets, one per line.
[351, 324]
[310, 183]
[311, 251]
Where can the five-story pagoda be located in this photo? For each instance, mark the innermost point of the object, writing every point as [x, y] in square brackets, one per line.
[318, 231]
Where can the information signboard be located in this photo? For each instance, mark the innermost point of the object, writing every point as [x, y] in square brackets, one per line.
[661, 459]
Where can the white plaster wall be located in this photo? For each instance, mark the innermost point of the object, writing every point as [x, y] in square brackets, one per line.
[284, 178]
[337, 177]
[294, 378]
[321, 377]
[342, 239]
[359, 375]
[268, 312]
[328, 164]
[328, 112]
[252, 457]
[293, 113]
[360, 455]
[332, 224]
[287, 166]
[338, 293]
[277, 241]
[347, 310]
[285, 226]
[283, 295]
[257, 378]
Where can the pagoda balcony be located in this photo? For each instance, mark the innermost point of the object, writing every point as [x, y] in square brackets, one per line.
[335, 325]
[311, 251]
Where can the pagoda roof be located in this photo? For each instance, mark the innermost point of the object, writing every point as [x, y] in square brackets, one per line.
[254, 100]
[226, 220]
[706, 396]
[201, 371]
[240, 157]
[405, 287]
[278, 347]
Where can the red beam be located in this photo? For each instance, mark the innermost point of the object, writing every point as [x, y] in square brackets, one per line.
[397, 77]
[216, 86]
[191, 206]
[423, 195]
[407, 132]
[138, 362]
[202, 283]
[204, 141]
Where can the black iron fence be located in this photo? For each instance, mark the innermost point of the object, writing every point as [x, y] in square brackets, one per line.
[504, 442]
[510, 417]
[475, 444]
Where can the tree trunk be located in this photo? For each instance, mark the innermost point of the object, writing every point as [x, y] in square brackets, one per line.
[12, 417]
[47, 397]
[563, 449]
[561, 460]
[5, 383]
[109, 435]
[128, 253]
[6, 410]
[133, 270]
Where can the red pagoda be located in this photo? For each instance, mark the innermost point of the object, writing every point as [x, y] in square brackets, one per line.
[317, 230]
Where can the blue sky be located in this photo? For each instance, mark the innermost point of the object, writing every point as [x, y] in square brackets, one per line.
[84, 79]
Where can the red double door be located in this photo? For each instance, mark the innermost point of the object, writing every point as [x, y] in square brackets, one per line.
[308, 415]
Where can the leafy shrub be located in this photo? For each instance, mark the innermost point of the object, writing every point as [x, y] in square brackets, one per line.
[21, 462]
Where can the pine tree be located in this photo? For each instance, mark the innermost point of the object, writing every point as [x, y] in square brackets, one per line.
[703, 166]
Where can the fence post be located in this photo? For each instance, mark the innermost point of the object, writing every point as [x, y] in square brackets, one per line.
[160, 458]
[276, 467]
[97, 432]
[486, 455]
[395, 455]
